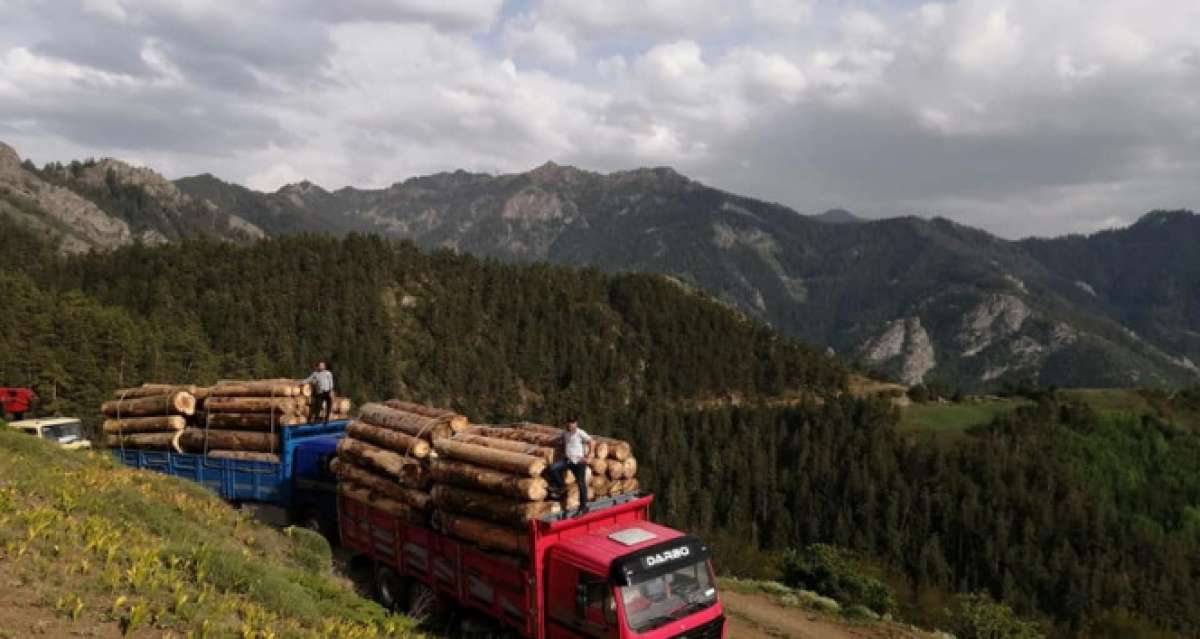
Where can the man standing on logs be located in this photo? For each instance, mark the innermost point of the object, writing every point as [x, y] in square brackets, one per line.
[322, 397]
[577, 445]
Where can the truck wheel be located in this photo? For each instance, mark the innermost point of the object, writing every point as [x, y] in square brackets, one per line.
[391, 590]
[422, 602]
[312, 520]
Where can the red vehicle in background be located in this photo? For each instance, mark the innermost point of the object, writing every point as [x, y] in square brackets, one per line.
[608, 573]
[15, 402]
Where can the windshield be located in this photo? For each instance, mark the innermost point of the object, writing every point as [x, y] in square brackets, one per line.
[669, 597]
[63, 432]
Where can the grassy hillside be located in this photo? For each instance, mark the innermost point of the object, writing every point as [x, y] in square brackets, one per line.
[950, 419]
[89, 546]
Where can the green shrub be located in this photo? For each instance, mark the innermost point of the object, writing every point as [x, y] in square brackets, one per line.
[837, 573]
[976, 616]
[310, 550]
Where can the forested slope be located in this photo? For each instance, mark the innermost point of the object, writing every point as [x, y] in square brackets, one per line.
[1084, 520]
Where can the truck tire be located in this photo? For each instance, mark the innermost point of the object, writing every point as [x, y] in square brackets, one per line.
[391, 590]
[422, 602]
[312, 520]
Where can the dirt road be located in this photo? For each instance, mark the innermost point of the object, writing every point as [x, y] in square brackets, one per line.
[757, 617]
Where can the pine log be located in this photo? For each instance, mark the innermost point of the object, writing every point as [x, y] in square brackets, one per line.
[242, 455]
[482, 533]
[629, 485]
[599, 465]
[379, 484]
[427, 428]
[489, 507]
[198, 440]
[507, 461]
[176, 403]
[366, 496]
[539, 428]
[156, 424]
[342, 405]
[544, 452]
[631, 468]
[599, 449]
[518, 434]
[152, 390]
[616, 469]
[277, 405]
[389, 439]
[599, 485]
[488, 480]
[617, 449]
[264, 388]
[248, 421]
[150, 441]
[407, 470]
[458, 423]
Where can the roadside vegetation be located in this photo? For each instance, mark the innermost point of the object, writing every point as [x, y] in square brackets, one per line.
[87, 545]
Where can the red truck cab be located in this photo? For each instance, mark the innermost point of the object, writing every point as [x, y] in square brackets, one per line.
[15, 402]
[610, 573]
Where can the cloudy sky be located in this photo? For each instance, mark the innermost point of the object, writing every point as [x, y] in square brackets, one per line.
[1024, 117]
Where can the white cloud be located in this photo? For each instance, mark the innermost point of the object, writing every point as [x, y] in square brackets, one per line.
[1018, 115]
[542, 41]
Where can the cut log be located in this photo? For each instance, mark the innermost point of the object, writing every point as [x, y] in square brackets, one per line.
[264, 388]
[617, 449]
[152, 390]
[157, 424]
[248, 421]
[540, 428]
[599, 449]
[366, 496]
[487, 506]
[176, 403]
[199, 440]
[629, 485]
[518, 434]
[149, 441]
[278, 405]
[242, 455]
[616, 469]
[487, 480]
[482, 533]
[544, 452]
[427, 428]
[379, 484]
[507, 461]
[599, 465]
[389, 439]
[407, 470]
[631, 467]
[599, 485]
[458, 423]
[342, 405]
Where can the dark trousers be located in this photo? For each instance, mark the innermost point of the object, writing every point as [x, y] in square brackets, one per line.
[322, 403]
[559, 468]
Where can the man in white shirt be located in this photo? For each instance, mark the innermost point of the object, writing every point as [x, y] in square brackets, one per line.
[577, 445]
[322, 397]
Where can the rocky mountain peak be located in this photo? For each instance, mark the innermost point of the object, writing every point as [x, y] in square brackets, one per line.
[551, 172]
[9, 160]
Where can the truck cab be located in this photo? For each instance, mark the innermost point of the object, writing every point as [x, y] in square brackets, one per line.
[67, 432]
[633, 579]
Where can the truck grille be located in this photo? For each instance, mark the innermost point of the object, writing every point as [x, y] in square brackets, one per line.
[710, 630]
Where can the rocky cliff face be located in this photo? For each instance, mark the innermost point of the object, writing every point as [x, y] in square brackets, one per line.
[106, 204]
[56, 212]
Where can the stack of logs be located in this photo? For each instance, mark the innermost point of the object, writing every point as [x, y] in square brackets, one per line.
[151, 416]
[481, 484]
[234, 419]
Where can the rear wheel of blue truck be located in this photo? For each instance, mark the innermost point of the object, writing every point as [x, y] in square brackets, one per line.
[391, 590]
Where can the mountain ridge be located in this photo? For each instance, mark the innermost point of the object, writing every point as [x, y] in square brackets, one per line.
[913, 299]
